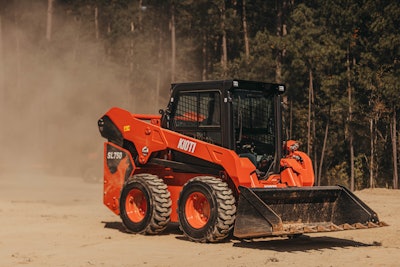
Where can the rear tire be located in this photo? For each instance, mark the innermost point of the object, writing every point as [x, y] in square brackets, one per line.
[206, 209]
[145, 204]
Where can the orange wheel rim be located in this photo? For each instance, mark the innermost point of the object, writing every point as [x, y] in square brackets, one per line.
[197, 210]
[136, 205]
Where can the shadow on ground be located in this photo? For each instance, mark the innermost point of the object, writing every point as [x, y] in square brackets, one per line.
[301, 243]
[172, 228]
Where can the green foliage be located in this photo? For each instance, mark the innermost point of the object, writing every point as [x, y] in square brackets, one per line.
[338, 174]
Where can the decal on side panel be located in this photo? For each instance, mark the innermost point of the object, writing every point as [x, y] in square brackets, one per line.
[186, 145]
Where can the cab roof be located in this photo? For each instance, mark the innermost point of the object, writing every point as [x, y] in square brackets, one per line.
[226, 85]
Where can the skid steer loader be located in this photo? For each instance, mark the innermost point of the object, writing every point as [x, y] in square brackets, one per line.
[215, 162]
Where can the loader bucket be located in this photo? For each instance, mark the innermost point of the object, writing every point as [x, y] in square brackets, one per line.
[265, 212]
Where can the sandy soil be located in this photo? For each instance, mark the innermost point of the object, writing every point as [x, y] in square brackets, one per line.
[60, 221]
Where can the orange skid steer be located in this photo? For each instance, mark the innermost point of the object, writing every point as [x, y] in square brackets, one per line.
[213, 161]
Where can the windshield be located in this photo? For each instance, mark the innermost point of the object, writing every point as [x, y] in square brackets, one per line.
[253, 113]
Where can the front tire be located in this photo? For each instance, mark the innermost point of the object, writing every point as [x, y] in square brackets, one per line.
[145, 204]
[206, 209]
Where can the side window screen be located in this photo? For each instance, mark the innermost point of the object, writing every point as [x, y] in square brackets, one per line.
[198, 114]
[186, 114]
[210, 105]
[198, 109]
[254, 120]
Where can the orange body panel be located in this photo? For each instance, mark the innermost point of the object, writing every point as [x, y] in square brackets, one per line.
[152, 138]
[298, 170]
[175, 191]
[113, 182]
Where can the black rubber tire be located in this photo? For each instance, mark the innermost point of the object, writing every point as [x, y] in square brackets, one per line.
[158, 204]
[222, 209]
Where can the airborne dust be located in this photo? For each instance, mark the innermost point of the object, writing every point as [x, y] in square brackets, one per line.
[54, 91]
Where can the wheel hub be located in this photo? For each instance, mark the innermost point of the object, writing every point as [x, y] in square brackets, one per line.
[136, 205]
[197, 210]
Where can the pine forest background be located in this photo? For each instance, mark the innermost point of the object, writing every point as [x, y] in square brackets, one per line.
[63, 63]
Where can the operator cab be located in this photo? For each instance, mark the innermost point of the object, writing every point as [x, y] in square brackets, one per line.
[244, 116]
[254, 124]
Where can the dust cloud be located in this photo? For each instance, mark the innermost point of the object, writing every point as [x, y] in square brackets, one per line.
[53, 92]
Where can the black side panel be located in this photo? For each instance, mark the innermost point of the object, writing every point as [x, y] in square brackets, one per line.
[128, 145]
[195, 163]
[109, 131]
[184, 167]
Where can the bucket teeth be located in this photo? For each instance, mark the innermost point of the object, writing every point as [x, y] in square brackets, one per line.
[310, 229]
[360, 226]
[322, 228]
[334, 227]
[347, 226]
[383, 224]
[326, 227]
[295, 230]
[372, 225]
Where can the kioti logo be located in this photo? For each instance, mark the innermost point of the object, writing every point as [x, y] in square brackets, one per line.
[186, 145]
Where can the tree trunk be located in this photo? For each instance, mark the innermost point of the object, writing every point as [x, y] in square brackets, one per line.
[310, 96]
[350, 130]
[394, 148]
[314, 133]
[140, 14]
[278, 57]
[290, 118]
[224, 56]
[324, 147]
[280, 32]
[371, 164]
[109, 48]
[96, 22]
[2, 89]
[75, 50]
[245, 33]
[173, 44]
[160, 64]
[97, 35]
[351, 146]
[204, 53]
[131, 50]
[130, 99]
[49, 19]
[18, 60]
[314, 149]
[2, 85]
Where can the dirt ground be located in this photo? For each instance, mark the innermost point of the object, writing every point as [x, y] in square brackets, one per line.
[61, 221]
